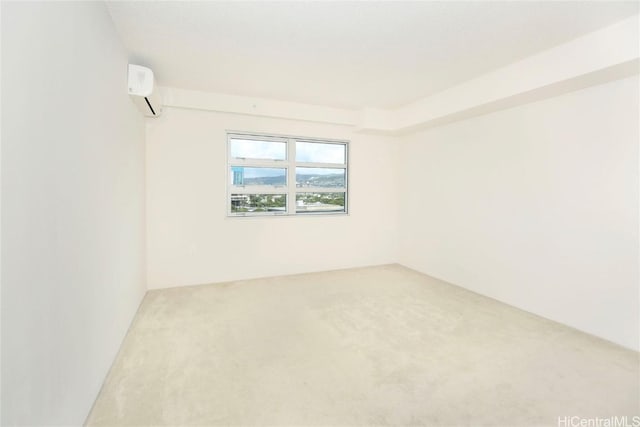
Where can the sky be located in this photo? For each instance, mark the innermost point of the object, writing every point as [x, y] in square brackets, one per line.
[258, 149]
[323, 153]
[305, 152]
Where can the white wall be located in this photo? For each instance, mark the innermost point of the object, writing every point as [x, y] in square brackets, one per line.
[190, 239]
[536, 206]
[72, 208]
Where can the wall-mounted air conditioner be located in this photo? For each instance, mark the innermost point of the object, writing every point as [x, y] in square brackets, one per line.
[142, 91]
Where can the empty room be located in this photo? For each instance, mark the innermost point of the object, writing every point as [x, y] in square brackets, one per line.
[320, 213]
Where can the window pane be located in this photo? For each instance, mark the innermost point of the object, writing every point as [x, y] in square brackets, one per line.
[255, 149]
[241, 175]
[319, 202]
[320, 177]
[255, 203]
[318, 152]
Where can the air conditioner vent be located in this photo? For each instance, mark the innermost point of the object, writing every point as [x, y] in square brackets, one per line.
[141, 90]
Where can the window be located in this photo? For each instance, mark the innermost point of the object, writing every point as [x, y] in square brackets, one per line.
[272, 175]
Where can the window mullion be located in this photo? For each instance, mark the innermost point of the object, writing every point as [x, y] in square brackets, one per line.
[291, 178]
[322, 165]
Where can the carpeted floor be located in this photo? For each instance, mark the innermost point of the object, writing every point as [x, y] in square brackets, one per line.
[370, 346]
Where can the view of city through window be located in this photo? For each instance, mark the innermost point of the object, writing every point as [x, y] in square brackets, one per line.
[261, 171]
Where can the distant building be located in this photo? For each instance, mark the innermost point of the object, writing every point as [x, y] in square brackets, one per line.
[239, 201]
[317, 207]
[238, 175]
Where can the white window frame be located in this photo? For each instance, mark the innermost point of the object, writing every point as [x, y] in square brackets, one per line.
[289, 164]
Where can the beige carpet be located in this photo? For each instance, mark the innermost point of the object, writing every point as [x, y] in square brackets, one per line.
[371, 346]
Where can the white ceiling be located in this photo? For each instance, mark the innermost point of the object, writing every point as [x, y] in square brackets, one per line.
[345, 54]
